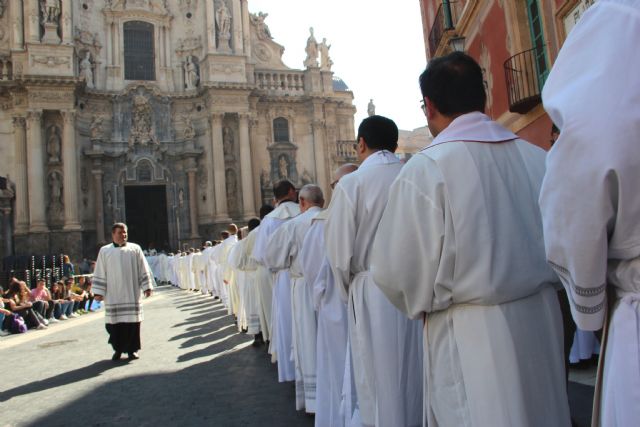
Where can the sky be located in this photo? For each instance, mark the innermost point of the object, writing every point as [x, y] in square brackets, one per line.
[377, 48]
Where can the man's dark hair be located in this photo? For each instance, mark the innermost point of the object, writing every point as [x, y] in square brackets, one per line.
[253, 223]
[282, 188]
[265, 210]
[117, 225]
[224, 234]
[454, 84]
[379, 133]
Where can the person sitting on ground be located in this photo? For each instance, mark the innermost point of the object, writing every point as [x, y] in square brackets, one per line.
[88, 295]
[63, 308]
[18, 298]
[41, 300]
[3, 313]
[70, 294]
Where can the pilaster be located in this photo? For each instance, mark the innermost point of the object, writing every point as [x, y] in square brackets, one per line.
[222, 213]
[70, 169]
[21, 179]
[246, 169]
[35, 167]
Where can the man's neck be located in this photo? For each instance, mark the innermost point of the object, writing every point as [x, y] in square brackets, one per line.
[279, 202]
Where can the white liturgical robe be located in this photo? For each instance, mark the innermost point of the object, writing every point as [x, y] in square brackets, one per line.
[590, 202]
[332, 333]
[385, 344]
[461, 241]
[250, 297]
[283, 252]
[120, 276]
[281, 300]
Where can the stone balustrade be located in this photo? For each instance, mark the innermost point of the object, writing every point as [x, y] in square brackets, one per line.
[279, 82]
[345, 151]
[6, 68]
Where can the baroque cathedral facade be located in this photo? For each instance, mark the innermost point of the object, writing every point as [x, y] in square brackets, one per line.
[174, 116]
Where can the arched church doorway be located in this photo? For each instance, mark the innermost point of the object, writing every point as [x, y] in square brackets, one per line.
[146, 213]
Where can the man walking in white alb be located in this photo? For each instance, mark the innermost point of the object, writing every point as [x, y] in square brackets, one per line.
[385, 345]
[460, 245]
[589, 200]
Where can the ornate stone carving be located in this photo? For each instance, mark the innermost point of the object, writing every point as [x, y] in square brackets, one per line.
[311, 60]
[3, 5]
[265, 180]
[50, 11]
[84, 180]
[96, 130]
[191, 73]
[188, 5]
[56, 203]
[53, 144]
[50, 61]
[232, 190]
[262, 30]
[188, 132]
[189, 46]
[141, 122]
[86, 70]
[84, 40]
[223, 22]
[228, 143]
[306, 178]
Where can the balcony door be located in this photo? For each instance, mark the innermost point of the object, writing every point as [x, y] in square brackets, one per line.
[537, 40]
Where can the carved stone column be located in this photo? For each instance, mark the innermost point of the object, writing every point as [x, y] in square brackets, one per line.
[22, 194]
[32, 20]
[246, 28]
[218, 168]
[97, 188]
[17, 25]
[70, 171]
[66, 22]
[109, 43]
[211, 26]
[246, 168]
[193, 202]
[35, 156]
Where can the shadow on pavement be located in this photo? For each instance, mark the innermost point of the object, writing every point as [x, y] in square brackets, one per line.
[64, 379]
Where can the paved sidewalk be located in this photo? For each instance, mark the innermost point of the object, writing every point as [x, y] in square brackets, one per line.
[194, 370]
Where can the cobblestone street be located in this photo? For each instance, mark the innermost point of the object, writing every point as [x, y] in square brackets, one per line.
[194, 370]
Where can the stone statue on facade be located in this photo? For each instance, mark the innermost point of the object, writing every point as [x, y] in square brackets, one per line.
[223, 20]
[227, 140]
[3, 6]
[325, 61]
[95, 130]
[50, 10]
[191, 77]
[283, 167]
[53, 144]
[189, 132]
[265, 181]
[306, 178]
[312, 51]
[232, 190]
[55, 192]
[86, 70]
[140, 122]
[371, 108]
[262, 30]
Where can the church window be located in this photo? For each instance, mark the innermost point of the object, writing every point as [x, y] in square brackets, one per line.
[281, 130]
[139, 57]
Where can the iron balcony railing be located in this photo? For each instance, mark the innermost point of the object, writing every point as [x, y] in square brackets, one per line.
[445, 20]
[525, 75]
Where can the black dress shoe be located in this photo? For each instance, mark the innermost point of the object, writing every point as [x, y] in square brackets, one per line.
[133, 356]
[116, 356]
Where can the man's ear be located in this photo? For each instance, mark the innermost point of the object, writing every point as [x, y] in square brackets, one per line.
[431, 108]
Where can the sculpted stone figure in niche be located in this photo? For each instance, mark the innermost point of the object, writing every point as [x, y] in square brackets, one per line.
[227, 140]
[50, 10]
[325, 61]
[95, 130]
[283, 167]
[189, 132]
[191, 77]
[223, 19]
[53, 144]
[371, 108]
[55, 191]
[86, 70]
[265, 181]
[262, 30]
[311, 50]
[140, 121]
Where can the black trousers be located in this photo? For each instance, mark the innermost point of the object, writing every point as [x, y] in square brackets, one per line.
[124, 337]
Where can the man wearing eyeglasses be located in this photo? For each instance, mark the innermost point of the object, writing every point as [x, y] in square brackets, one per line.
[460, 245]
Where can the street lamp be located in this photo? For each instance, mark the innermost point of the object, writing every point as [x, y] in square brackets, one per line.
[457, 44]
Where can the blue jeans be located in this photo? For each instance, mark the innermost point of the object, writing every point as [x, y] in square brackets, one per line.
[1, 319]
[65, 308]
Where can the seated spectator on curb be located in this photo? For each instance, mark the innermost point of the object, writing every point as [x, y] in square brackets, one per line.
[18, 296]
[63, 308]
[3, 313]
[88, 295]
[41, 300]
[73, 294]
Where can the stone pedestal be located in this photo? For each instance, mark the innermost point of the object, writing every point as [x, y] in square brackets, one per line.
[51, 33]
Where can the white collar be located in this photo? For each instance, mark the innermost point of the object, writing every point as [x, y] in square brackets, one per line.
[474, 127]
[382, 157]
